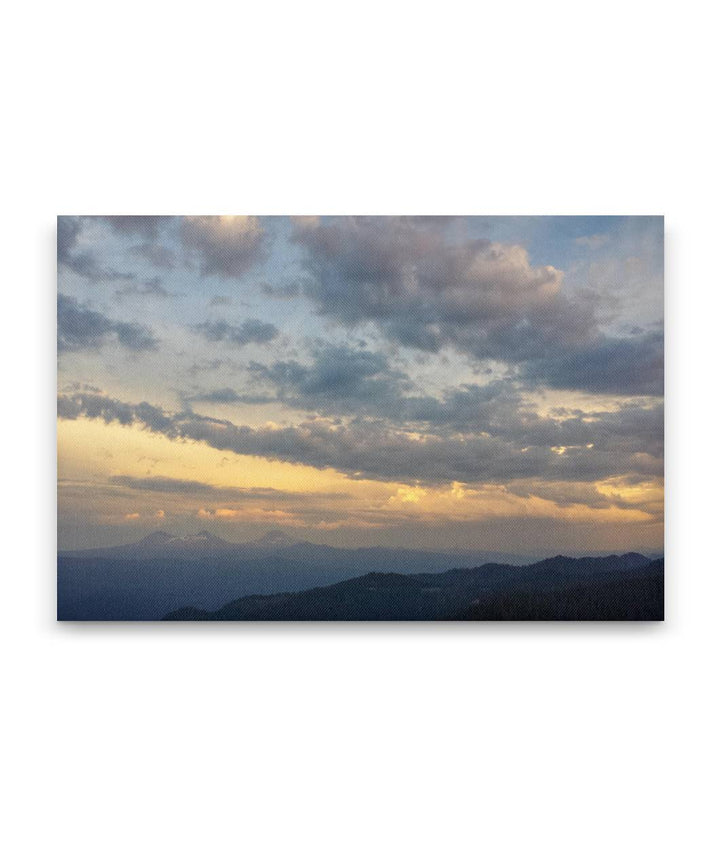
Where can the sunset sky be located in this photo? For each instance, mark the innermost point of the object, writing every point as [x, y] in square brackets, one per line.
[474, 382]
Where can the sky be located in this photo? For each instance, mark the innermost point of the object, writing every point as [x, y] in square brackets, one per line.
[432, 382]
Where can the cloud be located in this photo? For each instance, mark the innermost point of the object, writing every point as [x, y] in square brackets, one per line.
[337, 374]
[68, 232]
[343, 380]
[80, 328]
[253, 515]
[76, 386]
[251, 330]
[566, 494]
[592, 242]
[136, 224]
[150, 288]
[282, 292]
[159, 255]
[69, 256]
[628, 366]
[227, 395]
[81, 261]
[161, 484]
[372, 449]
[424, 290]
[226, 246]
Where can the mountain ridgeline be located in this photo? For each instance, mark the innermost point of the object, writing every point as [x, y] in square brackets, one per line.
[204, 578]
[619, 588]
[145, 580]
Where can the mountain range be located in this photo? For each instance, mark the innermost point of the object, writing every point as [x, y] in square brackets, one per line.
[627, 587]
[203, 577]
[162, 572]
[204, 545]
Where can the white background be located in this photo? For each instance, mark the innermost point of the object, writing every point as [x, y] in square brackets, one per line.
[345, 739]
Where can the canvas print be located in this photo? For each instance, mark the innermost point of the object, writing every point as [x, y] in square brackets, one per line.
[338, 418]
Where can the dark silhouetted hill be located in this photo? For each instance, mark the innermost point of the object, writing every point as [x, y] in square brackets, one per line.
[610, 588]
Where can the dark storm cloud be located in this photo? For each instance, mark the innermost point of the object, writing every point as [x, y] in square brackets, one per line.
[482, 298]
[372, 449]
[80, 328]
[226, 246]
[251, 330]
